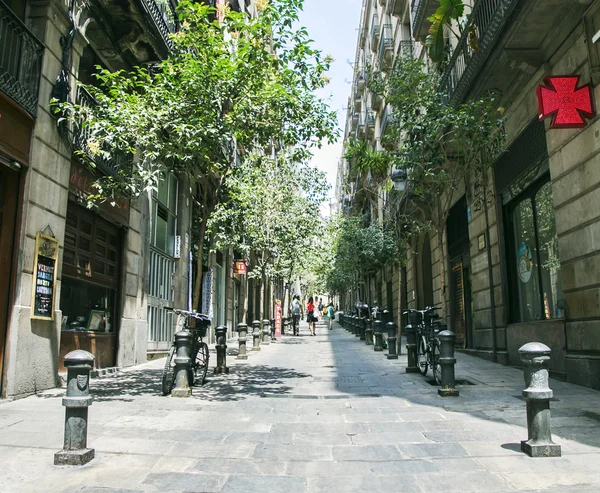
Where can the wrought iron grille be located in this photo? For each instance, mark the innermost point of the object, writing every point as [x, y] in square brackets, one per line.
[374, 31]
[485, 25]
[417, 9]
[20, 60]
[165, 17]
[81, 137]
[386, 43]
[160, 319]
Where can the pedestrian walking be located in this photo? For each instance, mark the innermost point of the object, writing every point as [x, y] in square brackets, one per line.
[296, 314]
[321, 306]
[310, 315]
[330, 314]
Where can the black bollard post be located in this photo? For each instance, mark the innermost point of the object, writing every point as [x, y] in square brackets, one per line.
[363, 329]
[358, 326]
[266, 331]
[77, 400]
[535, 357]
[221, 335]
[355, 328]
[242, 330]
[392, 338]
[183, 364]
[378, 336]
[411, 347]
[368, 332]
[273, 338]
[447, 361]
[256, 335]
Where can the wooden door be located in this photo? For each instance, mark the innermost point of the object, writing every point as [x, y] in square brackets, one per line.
[9, 192]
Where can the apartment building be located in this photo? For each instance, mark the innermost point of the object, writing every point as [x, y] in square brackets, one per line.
[520, 249]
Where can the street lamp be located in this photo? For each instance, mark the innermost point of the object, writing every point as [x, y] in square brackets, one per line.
[399, 179]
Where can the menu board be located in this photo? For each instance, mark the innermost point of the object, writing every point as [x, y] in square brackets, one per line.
[44, 277]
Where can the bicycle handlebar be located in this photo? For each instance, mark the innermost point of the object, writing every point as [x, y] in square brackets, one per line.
[186, 313]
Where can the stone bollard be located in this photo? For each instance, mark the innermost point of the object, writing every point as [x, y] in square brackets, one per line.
[266, 332]
[242, 330]
[378, 335]
[391, 340]
[447, 361]
[368, 332]
[183, 364]
[273, 338]
[535, 357]
[411, 348]
[221, 335]
[256, 335]
[77, 400]
[363, 329]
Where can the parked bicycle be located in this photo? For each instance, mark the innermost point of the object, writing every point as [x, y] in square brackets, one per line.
[198, 352]
[427, 328]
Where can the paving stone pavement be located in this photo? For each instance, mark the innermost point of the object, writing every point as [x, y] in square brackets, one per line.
[306, 414]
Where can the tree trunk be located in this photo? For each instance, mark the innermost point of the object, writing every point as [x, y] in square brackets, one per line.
[198, 284]
[399, 308]
[262, 300]
[245, 296]
[440, 235]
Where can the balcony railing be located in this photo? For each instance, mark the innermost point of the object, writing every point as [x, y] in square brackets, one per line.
[396, 7]
[165, 17]
[417, 10]
[488, 20]
[374, 31]
[386, 47]
[20, 61]
[81, 137]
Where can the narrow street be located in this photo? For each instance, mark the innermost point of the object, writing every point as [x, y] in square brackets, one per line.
[306, 414]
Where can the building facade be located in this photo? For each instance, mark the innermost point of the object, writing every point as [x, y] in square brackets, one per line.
[520, 244]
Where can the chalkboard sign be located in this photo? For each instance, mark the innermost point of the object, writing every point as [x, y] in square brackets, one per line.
[44, 277]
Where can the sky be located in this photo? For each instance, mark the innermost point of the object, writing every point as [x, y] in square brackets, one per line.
[333, 25]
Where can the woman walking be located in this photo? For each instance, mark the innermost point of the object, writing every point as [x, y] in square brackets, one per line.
[310, 316]
[330, 314]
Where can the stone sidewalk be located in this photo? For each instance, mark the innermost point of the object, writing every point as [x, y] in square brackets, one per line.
[307, 414]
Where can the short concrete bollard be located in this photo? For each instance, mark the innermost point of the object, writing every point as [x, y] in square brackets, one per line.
[183, 364]
[242, 330]
[221, 335]
[378, 335]
[75, 452]
[273, 338]
[266, 332]
[368, 332]
[535, 357]
[392, 329]
[363, 329]
[256, 335]
[447, 362]
[411, 348]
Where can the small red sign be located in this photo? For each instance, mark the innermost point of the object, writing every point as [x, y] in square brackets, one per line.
[239, 267]
[568, 104]
[278, 318]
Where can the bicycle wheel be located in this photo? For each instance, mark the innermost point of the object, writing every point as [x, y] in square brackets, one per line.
[435, 364]
[168, 376]
[201, 362]
[422, 356]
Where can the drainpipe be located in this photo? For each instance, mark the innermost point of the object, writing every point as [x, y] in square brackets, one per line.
[490, 269]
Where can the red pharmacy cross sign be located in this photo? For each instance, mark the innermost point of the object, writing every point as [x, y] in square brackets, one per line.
[568, 104]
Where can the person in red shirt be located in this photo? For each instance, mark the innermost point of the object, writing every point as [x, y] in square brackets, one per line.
[310, 317]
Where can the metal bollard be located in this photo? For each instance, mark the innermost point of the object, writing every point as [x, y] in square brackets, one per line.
[266, 332]
[535, 356]
[358, 326]
[77, 400]
[378, 336]
[242, 330]
[256, 335]
[392, 338]
[363, 329]
[411, 348]
[368, 332]
[273, 338]
[183, 364]
[447, 361]
[355, 326]
[221, 335]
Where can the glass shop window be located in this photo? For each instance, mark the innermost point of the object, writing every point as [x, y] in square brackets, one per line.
[535, 272]
[86, 306]
[164, 214]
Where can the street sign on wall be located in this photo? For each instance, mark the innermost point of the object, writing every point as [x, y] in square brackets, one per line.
[239, 267]
[568, 105]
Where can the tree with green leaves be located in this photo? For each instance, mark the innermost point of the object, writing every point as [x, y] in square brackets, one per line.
[227, 89]
[271, 215]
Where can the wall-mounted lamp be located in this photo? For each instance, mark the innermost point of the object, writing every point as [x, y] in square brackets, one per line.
[399, 178]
